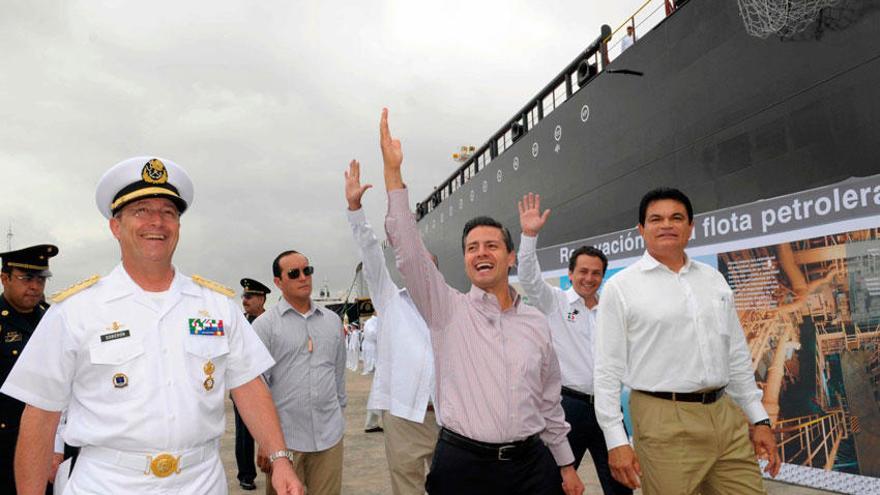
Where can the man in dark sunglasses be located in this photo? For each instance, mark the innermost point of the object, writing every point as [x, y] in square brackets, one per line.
[308, 380]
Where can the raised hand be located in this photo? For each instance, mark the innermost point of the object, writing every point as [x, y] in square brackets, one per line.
[392, 154]
[354, 191]
[531, 220]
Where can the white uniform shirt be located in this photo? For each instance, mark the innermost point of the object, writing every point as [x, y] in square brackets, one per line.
[112, 333]
[626, 42]
[404, 376]
[572, 324]
[661, 331]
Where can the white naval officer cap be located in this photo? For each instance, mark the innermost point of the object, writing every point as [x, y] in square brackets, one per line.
[143, 177]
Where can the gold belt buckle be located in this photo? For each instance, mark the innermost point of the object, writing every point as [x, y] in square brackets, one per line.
[164, 465]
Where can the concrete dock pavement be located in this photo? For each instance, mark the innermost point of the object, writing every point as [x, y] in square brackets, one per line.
[365, 471]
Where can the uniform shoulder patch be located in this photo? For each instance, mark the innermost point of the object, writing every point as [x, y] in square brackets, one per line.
[214, 286]
[73, 289]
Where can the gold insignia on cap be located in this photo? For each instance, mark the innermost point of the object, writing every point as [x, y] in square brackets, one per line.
[4, 313]
[154, 172]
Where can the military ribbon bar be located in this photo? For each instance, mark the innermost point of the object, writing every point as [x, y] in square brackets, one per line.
[205, 326]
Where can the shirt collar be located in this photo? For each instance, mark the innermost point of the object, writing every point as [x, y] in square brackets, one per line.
[284, 306]
[573, 297]
[478, 294]
[648, 263]
[120, 284]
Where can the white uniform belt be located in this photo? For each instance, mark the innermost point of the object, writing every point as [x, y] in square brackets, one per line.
[145, 462]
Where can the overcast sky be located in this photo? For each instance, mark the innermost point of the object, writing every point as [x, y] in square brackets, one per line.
[264, 104]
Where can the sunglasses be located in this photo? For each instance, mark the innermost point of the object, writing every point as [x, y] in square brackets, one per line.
[293, 273]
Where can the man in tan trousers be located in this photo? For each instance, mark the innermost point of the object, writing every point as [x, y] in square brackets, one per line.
[668, 329]
[403, 346]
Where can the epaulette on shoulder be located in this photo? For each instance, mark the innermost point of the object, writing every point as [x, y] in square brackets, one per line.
[73, 289]
[214, 286]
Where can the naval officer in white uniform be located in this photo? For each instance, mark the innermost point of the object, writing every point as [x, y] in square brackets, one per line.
[141, 359]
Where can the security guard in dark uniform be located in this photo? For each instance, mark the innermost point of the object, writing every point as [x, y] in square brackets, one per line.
[253, 299]
[22, 305]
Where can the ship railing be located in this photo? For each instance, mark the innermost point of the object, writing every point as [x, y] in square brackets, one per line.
[642, 20]
[575, 76]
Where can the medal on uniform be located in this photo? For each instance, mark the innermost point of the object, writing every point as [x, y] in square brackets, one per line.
[209, 368]
[120, 380]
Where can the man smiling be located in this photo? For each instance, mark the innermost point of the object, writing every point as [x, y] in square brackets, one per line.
[668, 329]
[497, 376]
[572, 317]
[141, 359]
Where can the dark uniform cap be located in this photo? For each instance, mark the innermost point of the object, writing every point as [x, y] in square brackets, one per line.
[34, 258]
[251, 286]
[143, 177]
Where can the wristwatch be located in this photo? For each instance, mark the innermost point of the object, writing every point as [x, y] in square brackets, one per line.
[764, 422]
[281, 453]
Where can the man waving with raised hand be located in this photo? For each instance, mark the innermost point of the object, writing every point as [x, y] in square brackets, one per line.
[497, 374]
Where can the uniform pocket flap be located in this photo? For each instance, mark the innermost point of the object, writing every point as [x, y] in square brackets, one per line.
[115, 352]
[207, 347]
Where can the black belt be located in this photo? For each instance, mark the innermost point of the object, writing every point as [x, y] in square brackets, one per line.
[574, 394]
[497, 451]
[701, 397]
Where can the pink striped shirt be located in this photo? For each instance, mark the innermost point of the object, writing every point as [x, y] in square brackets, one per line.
[497, 376]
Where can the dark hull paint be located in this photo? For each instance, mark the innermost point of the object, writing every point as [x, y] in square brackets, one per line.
[726, 117]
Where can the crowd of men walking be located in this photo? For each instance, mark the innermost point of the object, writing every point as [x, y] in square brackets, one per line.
[478, 392]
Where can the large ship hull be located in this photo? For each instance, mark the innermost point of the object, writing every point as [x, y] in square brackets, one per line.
[724, 116]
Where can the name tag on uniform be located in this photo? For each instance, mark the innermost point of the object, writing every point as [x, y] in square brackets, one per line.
[205, 326]
[115, 335]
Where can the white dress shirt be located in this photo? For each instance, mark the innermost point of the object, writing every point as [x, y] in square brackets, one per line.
[661, 331]
[404, 378]
[572, 323]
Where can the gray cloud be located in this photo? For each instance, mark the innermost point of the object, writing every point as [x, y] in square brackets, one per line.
[264, 103]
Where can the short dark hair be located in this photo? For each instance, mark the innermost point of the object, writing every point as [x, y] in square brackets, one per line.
[276, 265]
[486, 222]
[587, 251]
[664, 193]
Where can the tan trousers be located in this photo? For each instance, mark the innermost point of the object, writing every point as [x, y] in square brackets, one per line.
[686, 448]
[320, 472]
[409, 447]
